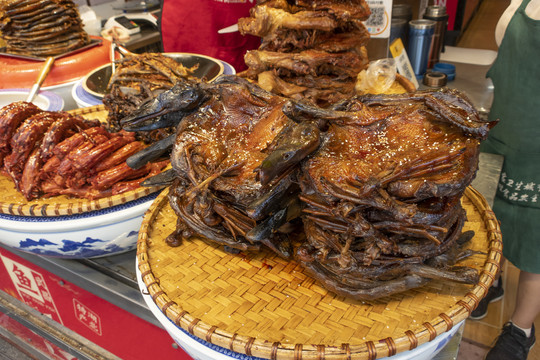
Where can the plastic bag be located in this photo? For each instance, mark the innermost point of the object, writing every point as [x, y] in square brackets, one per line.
[377, 78]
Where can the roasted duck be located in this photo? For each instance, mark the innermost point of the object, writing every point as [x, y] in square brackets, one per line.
[41, 27]
[383, 191]
[375, 180]
[234, 159]
[56, 153]
[311, 50]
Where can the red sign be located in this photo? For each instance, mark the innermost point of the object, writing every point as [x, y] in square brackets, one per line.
[34, 340]
[90, 316]
[31, 287]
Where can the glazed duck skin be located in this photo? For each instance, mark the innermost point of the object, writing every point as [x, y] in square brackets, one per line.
[383, 191]
[235, 159]
[376, 181]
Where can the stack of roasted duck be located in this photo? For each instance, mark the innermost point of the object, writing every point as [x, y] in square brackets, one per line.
[41, 27]
[310, 50]
[382, 193]
[139, 78]
[365, 194]
[55, 153]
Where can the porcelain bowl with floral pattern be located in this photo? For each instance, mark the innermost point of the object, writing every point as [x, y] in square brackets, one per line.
[101, 232]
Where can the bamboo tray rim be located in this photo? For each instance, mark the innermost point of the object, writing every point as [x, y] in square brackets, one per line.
[71, 205]
[369, 350]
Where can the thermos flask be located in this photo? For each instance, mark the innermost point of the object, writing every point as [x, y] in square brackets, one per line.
[420, 41]
[398, 29]
[438, 14]
[400, 13]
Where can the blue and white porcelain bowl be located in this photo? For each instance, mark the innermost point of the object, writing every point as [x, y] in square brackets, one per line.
[97, 233]
[83, 98]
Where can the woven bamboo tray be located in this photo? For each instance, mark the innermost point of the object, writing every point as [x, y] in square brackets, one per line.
[264, 306]
[12, 202]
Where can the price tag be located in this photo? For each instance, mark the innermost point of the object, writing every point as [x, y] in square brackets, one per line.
[403, 63]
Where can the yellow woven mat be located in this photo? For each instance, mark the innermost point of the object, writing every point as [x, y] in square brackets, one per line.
[13, 202]
[262, 305]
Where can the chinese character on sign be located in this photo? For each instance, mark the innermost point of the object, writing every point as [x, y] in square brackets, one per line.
[24, 281]
[87, 316]
[31, 287]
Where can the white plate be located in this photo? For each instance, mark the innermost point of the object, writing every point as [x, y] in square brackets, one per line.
[45, 100]
[82, 97]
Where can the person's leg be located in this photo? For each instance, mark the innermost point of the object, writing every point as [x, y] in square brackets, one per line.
[517, 336]
[528, 300]
[495, 293]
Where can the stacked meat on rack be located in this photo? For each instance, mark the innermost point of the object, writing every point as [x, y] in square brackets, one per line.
[310, 49]
[56, 153]
[40, 28]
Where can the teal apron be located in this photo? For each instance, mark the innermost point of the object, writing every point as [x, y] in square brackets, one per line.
[516, 103]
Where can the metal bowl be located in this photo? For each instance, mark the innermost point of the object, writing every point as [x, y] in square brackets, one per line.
[96, 81]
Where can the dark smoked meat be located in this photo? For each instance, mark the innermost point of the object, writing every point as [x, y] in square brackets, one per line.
[373, 183]
[41, 27]
[234, 161]
[308, 62]
[139, 78]
[383, 191]
[287, 41]
[224, 189]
